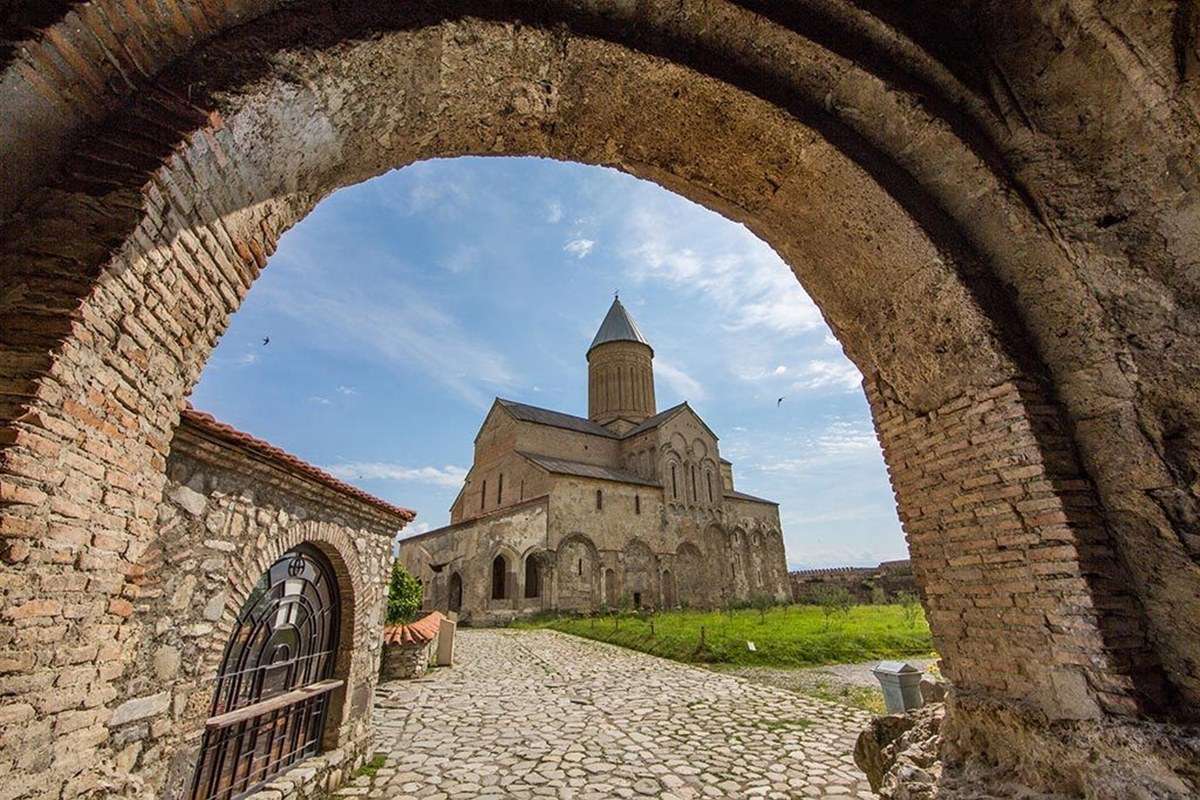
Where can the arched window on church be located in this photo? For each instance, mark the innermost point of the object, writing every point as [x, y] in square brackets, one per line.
[708, 477]
[483, 496]
[533, 577]
[499, 578]
[500, 490]
[693, 483]
[637, 504]
[599, 499]
[674, 484]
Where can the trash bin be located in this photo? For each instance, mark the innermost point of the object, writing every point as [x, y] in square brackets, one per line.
[901, 684]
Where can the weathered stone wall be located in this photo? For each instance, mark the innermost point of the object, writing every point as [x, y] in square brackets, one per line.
[866, 584]
[404, 661]
[467, 551]
[666, 558]
[226, 516]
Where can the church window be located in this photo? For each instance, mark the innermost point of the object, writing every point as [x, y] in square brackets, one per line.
[637, 504]
[579, 567]
[500, 490]
[693, 483]
[674, 484]
[483, 496]
[499, 578]
[708, 477]
[522, 490]
[533, 577]
[599, 499]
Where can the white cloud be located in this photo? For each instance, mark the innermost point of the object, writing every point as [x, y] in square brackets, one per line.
[780, 370]
[684, 384]
[579, 248]
[449, 475]
[741, 273]
[462, 259]
[840, 442]
[246, 360]
[430, 190]
[348, 391]
[391, 323]
[824, 374]
[322, 401]
[554, 212]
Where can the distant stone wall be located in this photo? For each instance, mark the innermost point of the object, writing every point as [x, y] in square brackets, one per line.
[891, 578]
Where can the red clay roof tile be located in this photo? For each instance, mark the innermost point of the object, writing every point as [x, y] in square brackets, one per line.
[420, 632]
[228, 433]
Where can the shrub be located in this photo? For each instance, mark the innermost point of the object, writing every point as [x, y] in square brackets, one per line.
[911, 605]
[404, 596]
[760, 603]
[835, 601]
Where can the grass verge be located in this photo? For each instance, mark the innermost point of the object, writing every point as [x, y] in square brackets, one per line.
[785, 636]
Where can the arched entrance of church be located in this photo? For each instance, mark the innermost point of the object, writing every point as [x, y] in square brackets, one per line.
[455, 592]
[669, 598]
[1010, 284]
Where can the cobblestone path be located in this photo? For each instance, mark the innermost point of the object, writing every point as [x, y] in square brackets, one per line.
[529, 714]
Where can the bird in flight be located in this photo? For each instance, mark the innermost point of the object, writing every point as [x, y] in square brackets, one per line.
[779, 402]
[266, 340]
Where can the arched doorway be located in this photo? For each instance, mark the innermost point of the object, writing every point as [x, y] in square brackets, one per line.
[500, 577]
[455, 593]
[533, 576]
[668, 589]
[284, 643]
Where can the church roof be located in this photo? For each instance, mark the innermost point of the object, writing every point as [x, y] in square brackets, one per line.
[556, 419]
[618, 326]
[748, 497]
[655, 421]
[562, 466]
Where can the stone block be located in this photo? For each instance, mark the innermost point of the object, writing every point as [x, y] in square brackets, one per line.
[140, 708]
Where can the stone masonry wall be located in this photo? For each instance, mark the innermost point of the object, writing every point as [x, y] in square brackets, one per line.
[1011, 554]
[227, 516]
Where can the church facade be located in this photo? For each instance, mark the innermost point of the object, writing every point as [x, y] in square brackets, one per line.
[628, 507]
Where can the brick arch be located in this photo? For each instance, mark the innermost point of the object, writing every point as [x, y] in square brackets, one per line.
[149, 237]
[354, 631]
[575, 591]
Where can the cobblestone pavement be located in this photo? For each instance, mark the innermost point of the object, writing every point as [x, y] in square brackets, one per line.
[528, 714]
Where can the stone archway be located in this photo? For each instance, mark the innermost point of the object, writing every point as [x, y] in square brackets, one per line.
[670, 597]
[455, 593]
[1015, 290]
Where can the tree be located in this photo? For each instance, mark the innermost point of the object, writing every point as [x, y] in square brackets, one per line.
[834, 601]
[761, 602]
[404, 595]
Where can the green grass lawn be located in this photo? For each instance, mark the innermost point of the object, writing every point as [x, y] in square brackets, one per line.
[788, 636]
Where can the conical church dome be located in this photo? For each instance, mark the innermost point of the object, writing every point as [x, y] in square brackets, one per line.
[618, 326]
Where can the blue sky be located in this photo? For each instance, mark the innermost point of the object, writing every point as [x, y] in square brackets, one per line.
[401, 306]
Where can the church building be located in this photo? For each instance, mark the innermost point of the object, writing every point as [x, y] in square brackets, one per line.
[628, 507]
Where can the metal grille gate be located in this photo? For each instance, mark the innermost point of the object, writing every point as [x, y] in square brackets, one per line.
[273, 688]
